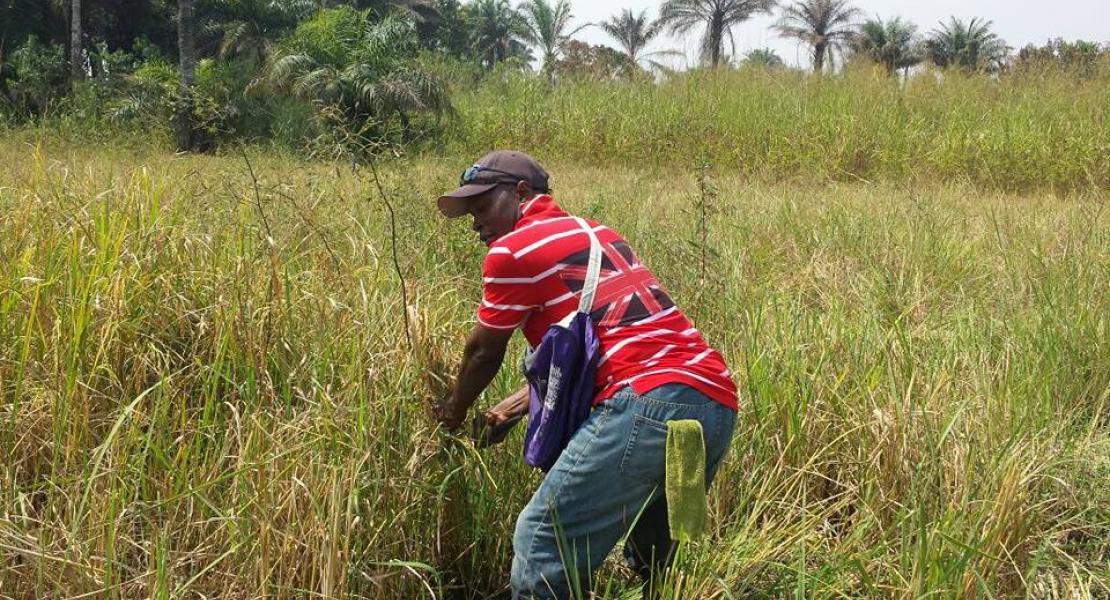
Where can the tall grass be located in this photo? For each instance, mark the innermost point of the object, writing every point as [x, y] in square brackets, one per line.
[192, 407]
[1018, 133]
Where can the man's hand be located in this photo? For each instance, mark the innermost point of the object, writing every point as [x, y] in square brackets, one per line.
[493, 426]
[448, 413]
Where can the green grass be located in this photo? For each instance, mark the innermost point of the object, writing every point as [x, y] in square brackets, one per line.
[190, 408]
[1046, 132]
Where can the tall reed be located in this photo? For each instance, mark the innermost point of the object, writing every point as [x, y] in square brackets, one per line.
[191, 407]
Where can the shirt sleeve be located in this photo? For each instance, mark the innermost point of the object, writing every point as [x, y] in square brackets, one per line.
[507, 297]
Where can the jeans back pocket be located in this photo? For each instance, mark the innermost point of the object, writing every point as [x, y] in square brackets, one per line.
[645, 454]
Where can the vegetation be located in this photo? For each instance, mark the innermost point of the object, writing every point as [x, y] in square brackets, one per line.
[400, 77]
[826, 25]
[971, 46]
[499, 32]
[1015, 134]
[584, 62]
[1079, 59]
[548, 27]
[716, 17]
[633, 33]
[357, 74]
[210, 392]
[216, 365]
[763, 58]
[892, 43]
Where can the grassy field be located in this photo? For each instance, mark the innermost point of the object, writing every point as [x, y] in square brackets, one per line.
[210, 394]
[1047, 131]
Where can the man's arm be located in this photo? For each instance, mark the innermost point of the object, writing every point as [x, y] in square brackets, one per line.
[482, 357]
[513, 405]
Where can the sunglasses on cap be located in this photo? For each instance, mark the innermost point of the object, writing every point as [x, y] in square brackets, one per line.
[471, 174]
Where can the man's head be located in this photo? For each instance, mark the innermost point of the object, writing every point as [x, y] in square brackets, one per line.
[491, 191]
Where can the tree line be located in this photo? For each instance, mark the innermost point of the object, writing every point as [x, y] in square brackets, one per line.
[382, 71]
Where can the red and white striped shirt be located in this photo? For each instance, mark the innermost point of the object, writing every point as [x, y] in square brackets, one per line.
[532, 278]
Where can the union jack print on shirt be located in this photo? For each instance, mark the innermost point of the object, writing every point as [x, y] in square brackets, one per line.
[627, 292]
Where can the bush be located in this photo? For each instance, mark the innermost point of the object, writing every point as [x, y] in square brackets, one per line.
[363, 79]
[1079, 59]
[36, 78]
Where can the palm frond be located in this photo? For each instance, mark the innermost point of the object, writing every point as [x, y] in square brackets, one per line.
[718, 17]
[826, 25]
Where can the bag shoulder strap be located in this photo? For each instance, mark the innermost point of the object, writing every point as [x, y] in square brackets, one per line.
[593, 268]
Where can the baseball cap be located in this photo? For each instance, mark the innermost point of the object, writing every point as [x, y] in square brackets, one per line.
[499, 166]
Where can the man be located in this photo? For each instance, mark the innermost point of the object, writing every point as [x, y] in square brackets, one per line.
[654, 367]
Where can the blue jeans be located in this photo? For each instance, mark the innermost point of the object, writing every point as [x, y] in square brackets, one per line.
[610, 479]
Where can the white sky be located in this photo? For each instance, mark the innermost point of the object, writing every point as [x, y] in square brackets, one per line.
[1018, 22]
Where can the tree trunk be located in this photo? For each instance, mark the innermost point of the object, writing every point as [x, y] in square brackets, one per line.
[76, 64]
[187, 53]
[716, 41]
[818, 57]
[549, 66]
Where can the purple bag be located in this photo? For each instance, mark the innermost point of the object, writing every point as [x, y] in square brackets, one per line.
[561, 374]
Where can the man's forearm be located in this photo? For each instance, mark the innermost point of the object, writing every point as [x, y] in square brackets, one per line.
[477, 370]
[482, 356]
[517, 403]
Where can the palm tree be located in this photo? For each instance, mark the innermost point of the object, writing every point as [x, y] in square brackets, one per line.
[417, 10]
[497, 31]
[632, 32]
[971, 46]
[764, 58]
[547, 27]
[893, 44]
[76, 64]
[187, 62]
[368, 81]
[826, 25]
[718, 17]
[250, 28]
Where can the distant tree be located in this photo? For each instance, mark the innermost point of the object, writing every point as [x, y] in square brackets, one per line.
[448, 33]
[764, 58]
[633, 32]
[548, 27]
[359, 71]
[826, 25]
[119, 23]
[892, 43]
[33, 76]
[250, 29]
[497, 32]
[184, 129]
[598, 63]
[23, 19]
[1079, 58]
[414, 10]
[971, 46]
[717, 16]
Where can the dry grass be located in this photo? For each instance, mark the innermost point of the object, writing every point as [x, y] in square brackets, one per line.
[190, 409]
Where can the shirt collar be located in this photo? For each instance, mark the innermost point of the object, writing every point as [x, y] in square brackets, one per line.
[542, 206]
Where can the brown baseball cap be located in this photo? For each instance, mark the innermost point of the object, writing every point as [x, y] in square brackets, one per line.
[497, 167]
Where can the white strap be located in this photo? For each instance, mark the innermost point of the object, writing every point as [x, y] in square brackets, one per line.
[593, 269]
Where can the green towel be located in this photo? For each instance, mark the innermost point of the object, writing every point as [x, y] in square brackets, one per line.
[687, 511]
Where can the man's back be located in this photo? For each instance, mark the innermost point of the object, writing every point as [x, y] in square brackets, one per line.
[532, 278]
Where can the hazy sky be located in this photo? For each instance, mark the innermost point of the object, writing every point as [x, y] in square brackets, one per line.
[1019, 22]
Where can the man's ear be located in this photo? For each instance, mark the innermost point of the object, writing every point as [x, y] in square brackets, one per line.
[523, 190]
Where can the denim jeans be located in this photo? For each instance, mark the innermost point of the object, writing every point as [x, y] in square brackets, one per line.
[610, 479]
